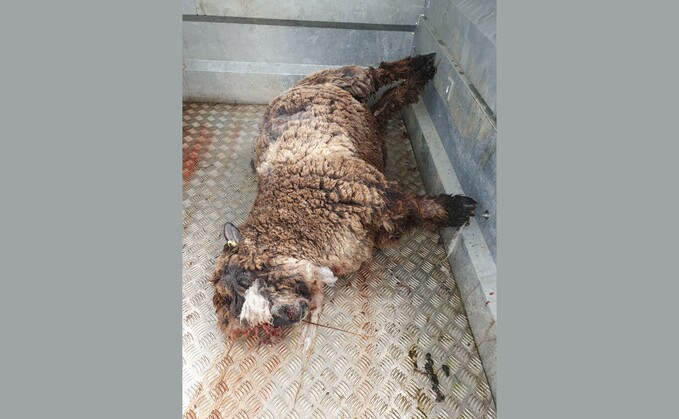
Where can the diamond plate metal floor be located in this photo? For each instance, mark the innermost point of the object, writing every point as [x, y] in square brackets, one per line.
[418, 358]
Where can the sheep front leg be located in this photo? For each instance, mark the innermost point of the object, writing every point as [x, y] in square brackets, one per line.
[407, 212]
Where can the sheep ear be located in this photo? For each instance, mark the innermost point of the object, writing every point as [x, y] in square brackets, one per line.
[231, 234]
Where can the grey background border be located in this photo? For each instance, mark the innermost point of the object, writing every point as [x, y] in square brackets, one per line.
[587, 206]
[91, 210]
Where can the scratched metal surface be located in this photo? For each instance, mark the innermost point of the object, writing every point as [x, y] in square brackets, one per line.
[405, 300]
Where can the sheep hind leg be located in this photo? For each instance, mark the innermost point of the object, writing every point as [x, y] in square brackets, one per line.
[406, 213]
[406, 93]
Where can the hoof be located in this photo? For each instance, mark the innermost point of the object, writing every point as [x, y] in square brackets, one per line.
[459, 208]
[424, 67]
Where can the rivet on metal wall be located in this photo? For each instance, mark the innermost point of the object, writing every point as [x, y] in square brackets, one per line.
[486, 215]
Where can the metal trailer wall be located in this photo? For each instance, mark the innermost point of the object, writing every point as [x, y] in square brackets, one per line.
[468, 29]
[462, 101]
[453, 131]
[292, 39]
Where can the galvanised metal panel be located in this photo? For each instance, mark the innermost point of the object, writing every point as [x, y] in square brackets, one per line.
[374, 11]
[189, 7]
[466, 127]
[247, 63]
[468, 30]
[295, 45]
[224, 87]
[472, 264]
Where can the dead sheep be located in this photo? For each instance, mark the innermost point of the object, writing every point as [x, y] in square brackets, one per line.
[323, 202]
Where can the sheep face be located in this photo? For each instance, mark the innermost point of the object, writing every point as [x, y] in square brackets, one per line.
[270, 296]
[261, 301]
[280, 292]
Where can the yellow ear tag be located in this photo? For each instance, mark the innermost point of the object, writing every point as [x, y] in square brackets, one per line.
[231, 243]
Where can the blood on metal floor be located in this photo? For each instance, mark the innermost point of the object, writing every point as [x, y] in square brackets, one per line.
[415, 356]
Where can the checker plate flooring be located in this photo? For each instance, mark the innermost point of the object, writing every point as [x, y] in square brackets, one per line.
[404, 303]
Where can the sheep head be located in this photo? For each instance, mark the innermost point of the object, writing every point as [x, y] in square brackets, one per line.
[263, 301]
